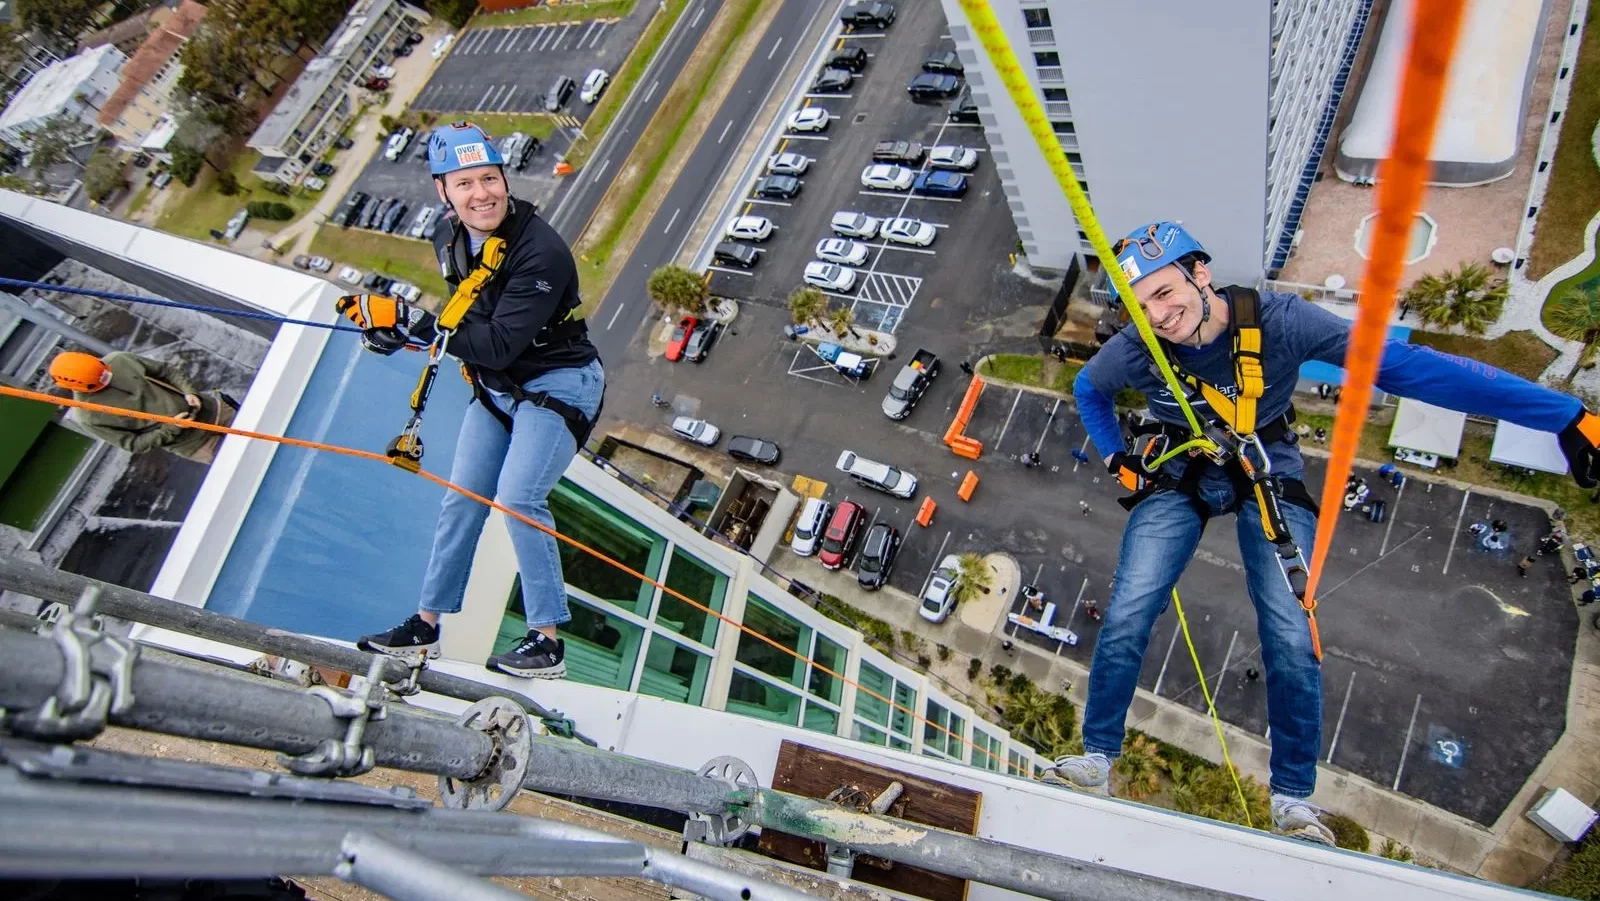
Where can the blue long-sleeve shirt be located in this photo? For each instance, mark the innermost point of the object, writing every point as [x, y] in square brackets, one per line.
[1293, 331]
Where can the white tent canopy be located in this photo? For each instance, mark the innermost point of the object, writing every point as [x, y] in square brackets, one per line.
[1517, 446]
[1427, 429]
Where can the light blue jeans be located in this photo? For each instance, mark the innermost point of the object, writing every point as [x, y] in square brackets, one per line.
[518, 470]
[1161, 538]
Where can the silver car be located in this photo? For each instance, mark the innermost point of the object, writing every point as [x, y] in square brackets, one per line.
[842, 251]
[788, 164]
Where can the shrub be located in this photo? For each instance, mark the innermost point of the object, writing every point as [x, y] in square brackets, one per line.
[910, 640]
[923, 662]
[1347, 833]
[974, 667]
[186, 165]
[270, 210]
[1000, 674]
[1396, 851]
[1579, 877]
[944, 653]
[228, 184]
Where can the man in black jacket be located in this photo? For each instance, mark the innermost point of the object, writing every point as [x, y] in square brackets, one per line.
[537, 387]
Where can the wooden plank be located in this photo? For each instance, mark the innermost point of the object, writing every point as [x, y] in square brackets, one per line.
[815, 773]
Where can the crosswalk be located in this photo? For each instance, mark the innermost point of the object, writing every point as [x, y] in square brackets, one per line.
[568, 36]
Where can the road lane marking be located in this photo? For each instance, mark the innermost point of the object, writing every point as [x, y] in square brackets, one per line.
[1406, 749]
[615, 315]
[1349, 686]
[673, 219]
[1164, 661]
[775, 45]
[724, 131]
[652, 91]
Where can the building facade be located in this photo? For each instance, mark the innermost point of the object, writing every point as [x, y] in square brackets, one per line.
[75, 87]
[1213, 114]
[319, 103]
[143, 101]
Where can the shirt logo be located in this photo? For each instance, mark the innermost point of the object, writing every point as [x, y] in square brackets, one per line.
[541, 286]
[472, 154]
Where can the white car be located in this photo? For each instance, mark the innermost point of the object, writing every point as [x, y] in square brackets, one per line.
[383, 72]
[441, 45]
[350, 275]
[812, 118]
[313, 183]
[319, 264]
[697, 430]
[847, 224]
[397, 144]
[750, 228]
[594, 85]
[405, 291]
[830, 276]
[788, 164]
[877, 476]
[939, 598]
[887, 177]
[953, 156]
[236, 225]
[842, 251]
[909, 231]
[809, 526]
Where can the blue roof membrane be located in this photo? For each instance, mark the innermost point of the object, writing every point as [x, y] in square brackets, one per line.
[1319, 372]
[333, 545]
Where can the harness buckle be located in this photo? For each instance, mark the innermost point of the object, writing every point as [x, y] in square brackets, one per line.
[1154, 450]
[1257, 466]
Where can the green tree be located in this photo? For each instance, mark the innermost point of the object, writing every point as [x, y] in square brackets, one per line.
[227, 183]
[1139, 768]
[20, 184]
[842, 320]
[63, 20]
[1575, 316]
[1469, 296]
[53, 141]
[807, 305]
[104, 174]
[185, 166]
[456, 12]
[678, 290]
[976, 577]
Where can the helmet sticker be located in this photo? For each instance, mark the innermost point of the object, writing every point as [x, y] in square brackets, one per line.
[1130, 266]
[472, 154]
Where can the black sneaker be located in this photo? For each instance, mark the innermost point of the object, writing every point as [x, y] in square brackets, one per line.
[534, 657]
[412, 641]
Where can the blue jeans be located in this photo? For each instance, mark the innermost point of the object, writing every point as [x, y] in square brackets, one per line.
[1161, 538]
[518, 469]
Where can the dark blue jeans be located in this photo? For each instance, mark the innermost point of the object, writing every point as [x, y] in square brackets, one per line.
[1161, 538]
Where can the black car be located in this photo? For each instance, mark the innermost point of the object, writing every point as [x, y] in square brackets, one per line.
[419, 146]
[853, 59]
[877, 14]
[350, 213]
[414, 37]
[558, 95]
[964, 109]
[378, 283]
[403, 50]
[877, 556]
[752, 450]
[323, 170]
[700, 340]
[833, 81]
[391, 219]
[933, 86]
[343, 143]
[374, 212]
[945, 61]
[730, 253]
[784, 186]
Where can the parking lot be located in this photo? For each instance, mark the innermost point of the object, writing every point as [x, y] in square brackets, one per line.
[892, 281]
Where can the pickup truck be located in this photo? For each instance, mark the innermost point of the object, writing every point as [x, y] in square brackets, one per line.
[851, 364]
[874, 14]
[909, 385]
[908, 153]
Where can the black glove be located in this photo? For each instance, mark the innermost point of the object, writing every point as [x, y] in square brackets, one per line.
[387, 324]
[1580, 442]
[1128, 470]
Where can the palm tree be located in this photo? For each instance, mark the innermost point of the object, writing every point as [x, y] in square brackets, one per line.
[677, 290]
[841, 320]
[1028, 710]
[976, 577]
[1575, 316]
[1140, 768]
[1469, 296]
[806, 305]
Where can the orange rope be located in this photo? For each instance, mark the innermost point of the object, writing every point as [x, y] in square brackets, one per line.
[451, 486]
[1403, 179]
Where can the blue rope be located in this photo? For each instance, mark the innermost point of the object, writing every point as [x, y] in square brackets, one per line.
[160, 302]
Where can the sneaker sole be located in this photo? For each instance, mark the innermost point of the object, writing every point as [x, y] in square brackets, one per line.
[409, 656]
[1311, 835]
[1050, 778]
[559, 671]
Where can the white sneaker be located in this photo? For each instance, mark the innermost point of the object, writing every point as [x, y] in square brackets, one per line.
[1298, 818]
[1085, 772]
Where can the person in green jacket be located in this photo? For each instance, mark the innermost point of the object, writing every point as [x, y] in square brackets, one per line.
[132, 382]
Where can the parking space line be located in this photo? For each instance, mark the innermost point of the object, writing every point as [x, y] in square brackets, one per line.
[1083, 447]
[1227, 658]
[507, 98]
[1078, 601]
[483, 38]
[1323, 595]
[799, 137]
[1046, 430]
[922, 250]
[1406, 748]
[863, 37]
[1393, 508]
[586, 32]
[731, 271]
[1002, 437]
[1164, 661]
[604, 26]
[522, 33]
[560, 38]
[827, 96]
[1349, 686]
[937, 556]
[770, 202]
[482, 100]
[547, 38]
[799, 372]
[652, 91]
[964, 124]
[897, 195]
[1456, 532]
[510, 36]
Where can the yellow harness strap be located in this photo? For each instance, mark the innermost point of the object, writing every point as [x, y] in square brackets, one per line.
[1249, 372]
[466, 294]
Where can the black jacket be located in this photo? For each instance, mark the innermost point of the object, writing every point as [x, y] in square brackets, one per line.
[536, 287]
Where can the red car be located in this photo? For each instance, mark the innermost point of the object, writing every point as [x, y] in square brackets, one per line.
[680, 337]
[840, 538]
[377, 84]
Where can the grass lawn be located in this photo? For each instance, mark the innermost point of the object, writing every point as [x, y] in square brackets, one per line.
[201, 208]
[140, 198]
[1574, 193]
[1022, 368]
[405, 259]
[498, 125]
[1521, 353]
[543, 14]
[624, 80]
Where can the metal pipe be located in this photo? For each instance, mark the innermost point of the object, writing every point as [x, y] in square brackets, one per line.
[373, 863]
[11, 303]
[564, 768]
[37, 580]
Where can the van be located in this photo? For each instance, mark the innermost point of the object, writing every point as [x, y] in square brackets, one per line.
[558, 95]
[808, 526]
[879, 476]
[730, 254]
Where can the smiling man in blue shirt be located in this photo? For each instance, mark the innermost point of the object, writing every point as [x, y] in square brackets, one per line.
[1199, 326]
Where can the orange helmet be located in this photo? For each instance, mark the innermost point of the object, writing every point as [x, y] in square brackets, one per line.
[77, 371]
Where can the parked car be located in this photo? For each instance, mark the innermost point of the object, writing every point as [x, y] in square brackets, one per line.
[729, 253]
[421, 142]
[941, 183]
[788, 164]
[517, 148]
[886, 177]
[680, 337]
[405, 291]
[397, 144]
[423, 219]
[433, 224]
[875, 14]
[910, 383]
[840, 537]
[964, 109]
[830, 276]
[832, 81]
[696, 430]
[852, 58]
[302, 262]
[370, 212]
[377, 282]
[905, 153]
[403, 50]
[943, 61]
[349, 213]
[953, 156]
[376, 84]
[594, 85]
[879, 476]
[442, 45]
[878, 551]
[842, 251]
[752, 450]
[320, 264]
[391, 219]
[809, 525]
[414, 38]
[236, 225]
[350, 275]
[323, 170]
[750, 228]
[383, 72]
[939, 598]
[847, 224]
[909, 231]
[161, 180]
[700, 340]
[560, 92]
[930, 86]
[781, 186]
[313, 183]
[343, 143]
[812, 118]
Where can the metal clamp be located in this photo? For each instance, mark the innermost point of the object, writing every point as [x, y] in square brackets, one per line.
[504, 721]
[361, 704]
[96, 678]
[730, 825]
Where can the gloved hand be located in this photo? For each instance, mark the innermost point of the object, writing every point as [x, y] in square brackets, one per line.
[1127, 469]
[1580, 442]
[387, 324]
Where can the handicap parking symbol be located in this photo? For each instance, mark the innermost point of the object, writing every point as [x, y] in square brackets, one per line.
[1446, 747]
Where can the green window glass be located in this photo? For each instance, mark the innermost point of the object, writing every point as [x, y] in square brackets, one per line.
[787, 632]
[1016, 764]
[899, 744]
[985, 751]
[905, 699]
[749, 696]
[674, 672]
[820, 719]
[831, 655]
[585, 518]
[955, 744]
[862, 732]
[601, 649]
[693, 579]
[875, 687]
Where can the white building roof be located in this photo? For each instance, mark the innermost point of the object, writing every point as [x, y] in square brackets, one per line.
[55, 86]
[161, 134]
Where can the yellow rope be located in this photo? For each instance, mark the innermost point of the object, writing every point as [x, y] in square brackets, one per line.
[1211, 708]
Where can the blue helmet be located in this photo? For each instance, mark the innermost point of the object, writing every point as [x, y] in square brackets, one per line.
[460, 145]
[1150, 247]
